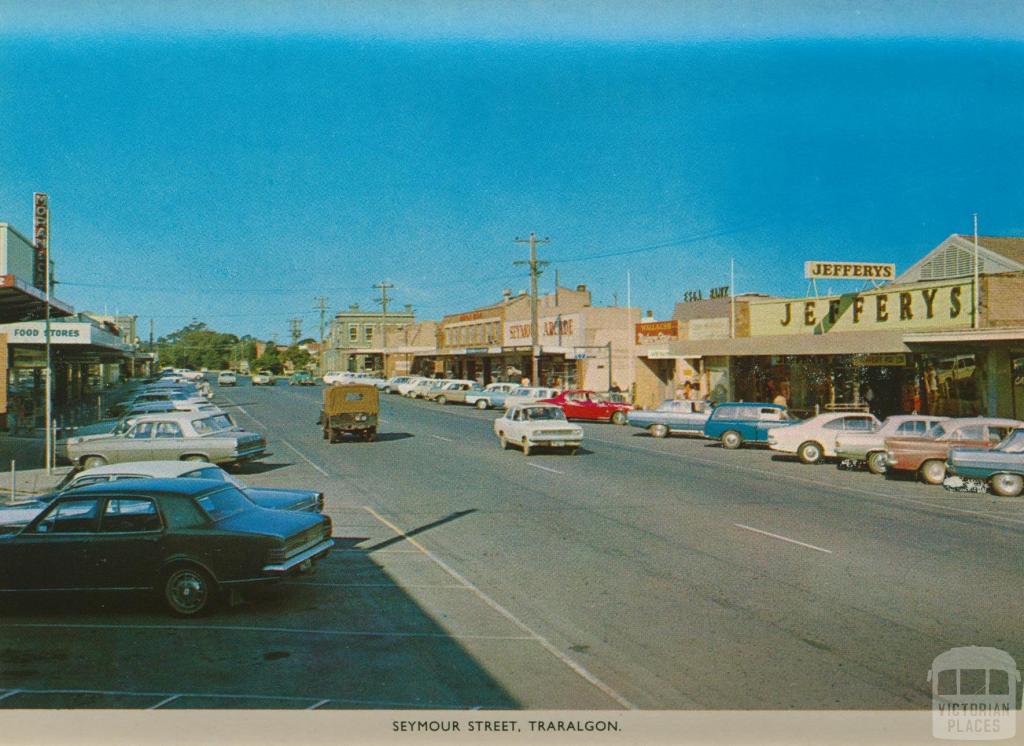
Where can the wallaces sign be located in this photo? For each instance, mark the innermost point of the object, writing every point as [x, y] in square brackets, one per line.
[849, 271]
[41, 237]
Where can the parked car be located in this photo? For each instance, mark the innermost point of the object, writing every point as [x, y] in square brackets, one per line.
[530, 426]
[1002, 466]
[580, 404]
[390, 386]
[179, 399]
[870, 447]
[301, 378]
[491, 395]
[22, 512]
[405, 388]
[189, 436]
[453, 392]
[263, 378]
[927, 454]
[350, 409]
[529, 395]
[672, 416]
[186, 538]
[736, 423]
[226, 378]
[423, 386]
[814, 439]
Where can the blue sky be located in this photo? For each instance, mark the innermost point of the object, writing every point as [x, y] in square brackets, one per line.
[229, 163]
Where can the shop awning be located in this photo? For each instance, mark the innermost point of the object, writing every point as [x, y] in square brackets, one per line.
[836, 343]
[1009, 334]
[19, 300]
[76, 342]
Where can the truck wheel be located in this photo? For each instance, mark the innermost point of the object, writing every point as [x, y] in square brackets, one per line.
[731, 440]
[876, 462]
[371, 435]
[619, 418]
[658, 431]
[810, 452]
[933, 471]
[481, 404]
[1007, 485]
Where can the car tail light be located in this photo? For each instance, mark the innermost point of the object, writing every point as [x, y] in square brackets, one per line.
[320, 502]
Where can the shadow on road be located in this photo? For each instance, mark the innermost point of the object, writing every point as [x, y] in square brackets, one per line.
[420, 529]
[260, 467]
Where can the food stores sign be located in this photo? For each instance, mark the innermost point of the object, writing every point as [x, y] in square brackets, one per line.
[934, 306]
[34, 332]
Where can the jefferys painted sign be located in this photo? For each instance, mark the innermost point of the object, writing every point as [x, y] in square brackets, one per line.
[849, 271]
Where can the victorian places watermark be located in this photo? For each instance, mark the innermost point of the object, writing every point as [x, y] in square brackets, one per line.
[974, 694]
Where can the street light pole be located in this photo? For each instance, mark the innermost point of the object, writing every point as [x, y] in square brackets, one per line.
[535, 270]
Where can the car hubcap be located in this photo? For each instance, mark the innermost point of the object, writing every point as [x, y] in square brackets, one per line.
[935, 472]
[811, 453]
[1007, 484]
[876, 462]
[188, 591]
[659, 431]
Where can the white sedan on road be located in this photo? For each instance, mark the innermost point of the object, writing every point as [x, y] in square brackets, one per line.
[815, 439]
[537, 426]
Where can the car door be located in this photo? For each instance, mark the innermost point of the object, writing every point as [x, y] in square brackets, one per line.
[134, 445]
[168, 441]
[758, 422]
[852, 423]
[50, 553]
[573, 406]
[127, 549]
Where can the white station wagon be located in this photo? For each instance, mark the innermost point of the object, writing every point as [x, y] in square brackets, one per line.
[537, 426]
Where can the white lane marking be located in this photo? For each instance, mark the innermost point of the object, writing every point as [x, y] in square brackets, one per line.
[544, 643]
[439, 437]
[546, 468]
[11, 693]
[394, 586]
[276, 630]
[304, 457]
[318, 705]
[219, 695]
[165, 701]
[782, 538]
[812, 482]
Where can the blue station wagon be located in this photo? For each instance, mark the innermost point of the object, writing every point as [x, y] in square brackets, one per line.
[736, 423]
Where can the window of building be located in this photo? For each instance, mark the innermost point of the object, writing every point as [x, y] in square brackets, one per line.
[368, 333]
[353, 333]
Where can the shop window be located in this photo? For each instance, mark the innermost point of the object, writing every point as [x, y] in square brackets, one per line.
[953, 385]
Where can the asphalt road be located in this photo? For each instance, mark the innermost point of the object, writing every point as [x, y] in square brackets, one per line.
[639, 573]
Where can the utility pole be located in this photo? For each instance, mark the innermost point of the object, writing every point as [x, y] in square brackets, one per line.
[383, 286]
[152, 350]
[321, 304]
[296, 329]
[535, 270]
[976, 316]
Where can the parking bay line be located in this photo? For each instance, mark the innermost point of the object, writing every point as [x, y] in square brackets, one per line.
[546, 468]
[276, 630]
[441, 437]
[782, 538]
[543, 642]
[304, 457]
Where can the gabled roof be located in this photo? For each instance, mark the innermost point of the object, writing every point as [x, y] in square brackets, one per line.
[954, 258]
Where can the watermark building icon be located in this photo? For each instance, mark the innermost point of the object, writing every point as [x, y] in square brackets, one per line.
[974, 694]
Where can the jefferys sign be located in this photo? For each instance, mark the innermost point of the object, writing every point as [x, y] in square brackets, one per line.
[849, 271]
[910, 308]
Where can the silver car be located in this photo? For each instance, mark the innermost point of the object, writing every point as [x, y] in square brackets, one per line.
[184, 436]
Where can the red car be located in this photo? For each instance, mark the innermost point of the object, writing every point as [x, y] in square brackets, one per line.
[590, 405]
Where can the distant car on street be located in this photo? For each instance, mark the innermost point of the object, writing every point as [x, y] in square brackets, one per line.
[453, 392]
[580, 404]
[814, 439]
[672, 416]
[529, 395]
[226, 378]
[530, 426]
[926, 455]
[189, 436]
[1002, 466]
[301, 378]
[736, 423]
[405, 388]
[490, 396]
[263, 378]
[870, 447]
[187, 538]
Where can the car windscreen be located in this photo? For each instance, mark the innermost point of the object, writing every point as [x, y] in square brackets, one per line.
[224, 503]
[1012, 443]
[544, 413]
[213, 424]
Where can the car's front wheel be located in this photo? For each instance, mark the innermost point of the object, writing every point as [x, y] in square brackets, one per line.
[731, 439]
[503, 442]
[933, 471]
[197, 457]
[876, 462]
[1008, 485]
[810, 452]
[619, 418]
[442, 400]
[91, 462]
[526, 447]
[188, 590]
[481, 404]
[659, 431]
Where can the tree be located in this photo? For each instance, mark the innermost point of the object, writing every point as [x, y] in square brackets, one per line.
[270, 359]
[197, 346]
[297, 356]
